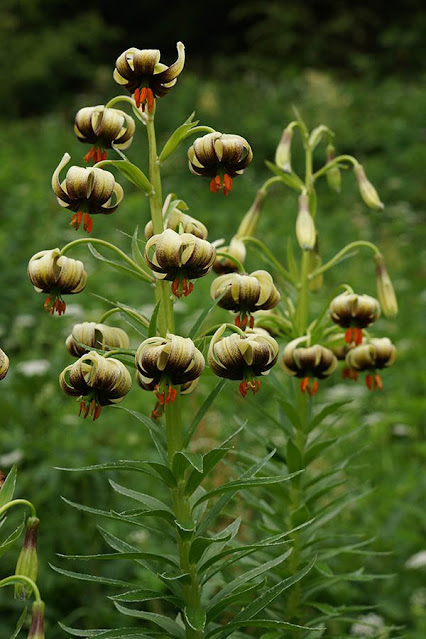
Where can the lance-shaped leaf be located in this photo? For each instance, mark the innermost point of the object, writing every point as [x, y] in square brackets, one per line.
[167, 624]
[136, 252]
[177, 137]
[142, 594]
[132, 173]
[11, 539]
[182, 460]
[117, 633]
[291, 179]
[202, 411]
[8, 488]
[154, 429]
[117, 266]
[152, 503]
[82, 576]
[201, 544]
[153, 469]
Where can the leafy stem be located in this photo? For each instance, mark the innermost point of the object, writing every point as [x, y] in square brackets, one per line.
[346, 249]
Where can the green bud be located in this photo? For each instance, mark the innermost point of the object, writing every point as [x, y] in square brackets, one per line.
[305, 227]
[385, 290]
[333, 174]
[37, 621]
[27, 564]
[367, 190]
[283, 152]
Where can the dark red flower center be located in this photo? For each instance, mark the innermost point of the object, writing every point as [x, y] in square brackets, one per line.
[144, 96]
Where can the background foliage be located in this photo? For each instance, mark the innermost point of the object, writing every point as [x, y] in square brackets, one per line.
[357, 69]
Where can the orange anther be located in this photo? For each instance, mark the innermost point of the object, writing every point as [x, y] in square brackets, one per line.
[304, 384]
[227, 184]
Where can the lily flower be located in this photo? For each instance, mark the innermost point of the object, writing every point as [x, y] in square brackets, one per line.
[55, 274]
[4, 364]
[143, 75]
[89, 335]
[354, 312]
[86, 191]
[97, 381]
[378, 353]
[103, 127]
[221, 156]
[308, 361]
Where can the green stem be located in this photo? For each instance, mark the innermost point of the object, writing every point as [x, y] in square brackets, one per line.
[16, 579]
[203, 128]
[18, 502]
[112, 247]
[267, 253]
[136, 315]
[233, 259]
[119, 98]
[302, 307]
[341, 254]
[334, 162]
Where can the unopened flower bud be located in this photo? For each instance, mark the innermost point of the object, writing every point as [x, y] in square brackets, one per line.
[27, 564]
[97, 381]
[89, 335]
[245, 294]
[142, 74]
[4, 364]
[55, 274]
[312, 361]
[164, 362]
[218, 155]
[354, 312]
[334, 178]
[283, 152]
[385, 290]
[37, 621]
[179, 258]
[223, 264]
[305, 226]
[103, 127]
[243, 357]
[367, 190]
[86, 192]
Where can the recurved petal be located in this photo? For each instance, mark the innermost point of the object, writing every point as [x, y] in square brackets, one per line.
[56, 184]
[144, 61]
[72, 277]
[43, 269]
[170, 73]
[78, 182]
[101, 187]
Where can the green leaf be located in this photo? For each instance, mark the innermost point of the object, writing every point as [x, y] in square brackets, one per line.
[132, 173]
[293, 456]
[123, 547]
[116, 265]
[106, 581]
[9, 542]
[256, 623]
[19, 623]
[152, 330]
[210, 460]
[206, 311]
[291, 412]
[195, 618]
[201, 544]
[140, 595]
[177, 138]
[290, 179]
[246, 577]
[202, 411]
[243, 484]
[313, 451]
[149, 556]
[167, 624]
[155, 430]
[8, 488]
[324, 412]
[291, 262]
[136, 252]
[160, 470]
[152, 503]
[118, 633]
[238, 596]
[182, 460]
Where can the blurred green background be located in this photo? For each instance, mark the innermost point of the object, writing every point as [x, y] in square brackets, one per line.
[358, 68]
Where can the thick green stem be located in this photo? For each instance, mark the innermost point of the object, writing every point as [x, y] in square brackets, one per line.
[302, 307]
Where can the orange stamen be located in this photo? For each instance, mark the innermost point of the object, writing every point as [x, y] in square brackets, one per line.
[76, 220]
[88, 222]
[90, 154]
[150, 100]
[349, 373]
[253, 385]
[369, 381]
[227, 184]
[137, 98]
[313, 390]
[187, 287]
[215, 184]
[304, 384]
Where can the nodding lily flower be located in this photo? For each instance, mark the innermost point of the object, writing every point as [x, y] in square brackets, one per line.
[354, 312]
[378, 353]
[220, 156]
[179, 258]
[103, 127]
[245, 294]
[55, 274]
[243, 357]
[180, 222]
[165, 362]
[4, 364]
[89, 335]
[86, 192]
[142, 74]
[97, 381]
[308, 361]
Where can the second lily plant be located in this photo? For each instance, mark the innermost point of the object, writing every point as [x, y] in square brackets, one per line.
[268, 572]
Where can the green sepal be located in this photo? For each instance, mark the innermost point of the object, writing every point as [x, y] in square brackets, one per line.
[177, 137]
[167, 624]
[132, 173]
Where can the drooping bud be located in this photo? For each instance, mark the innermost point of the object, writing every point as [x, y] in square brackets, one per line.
[55, 274]
[245, 294]
[283, 151]
[165, 362]
[37, 621]
[27, 564]
[242, 357]
[377, 354]
[218, 155]
[179, 221]
[86, 191]
[334, 178]
[103, 127]
[97, 381]
[367, 190]
[4, 364]
[385, 290]
[89, 335]
[223, 264]
[312, 361]
[305, 226]
[179, 258]
[354, 312]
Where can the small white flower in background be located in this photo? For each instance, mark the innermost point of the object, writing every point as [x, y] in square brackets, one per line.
[368, 625]
[416, 561]
[9, 459]
[33, 367]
